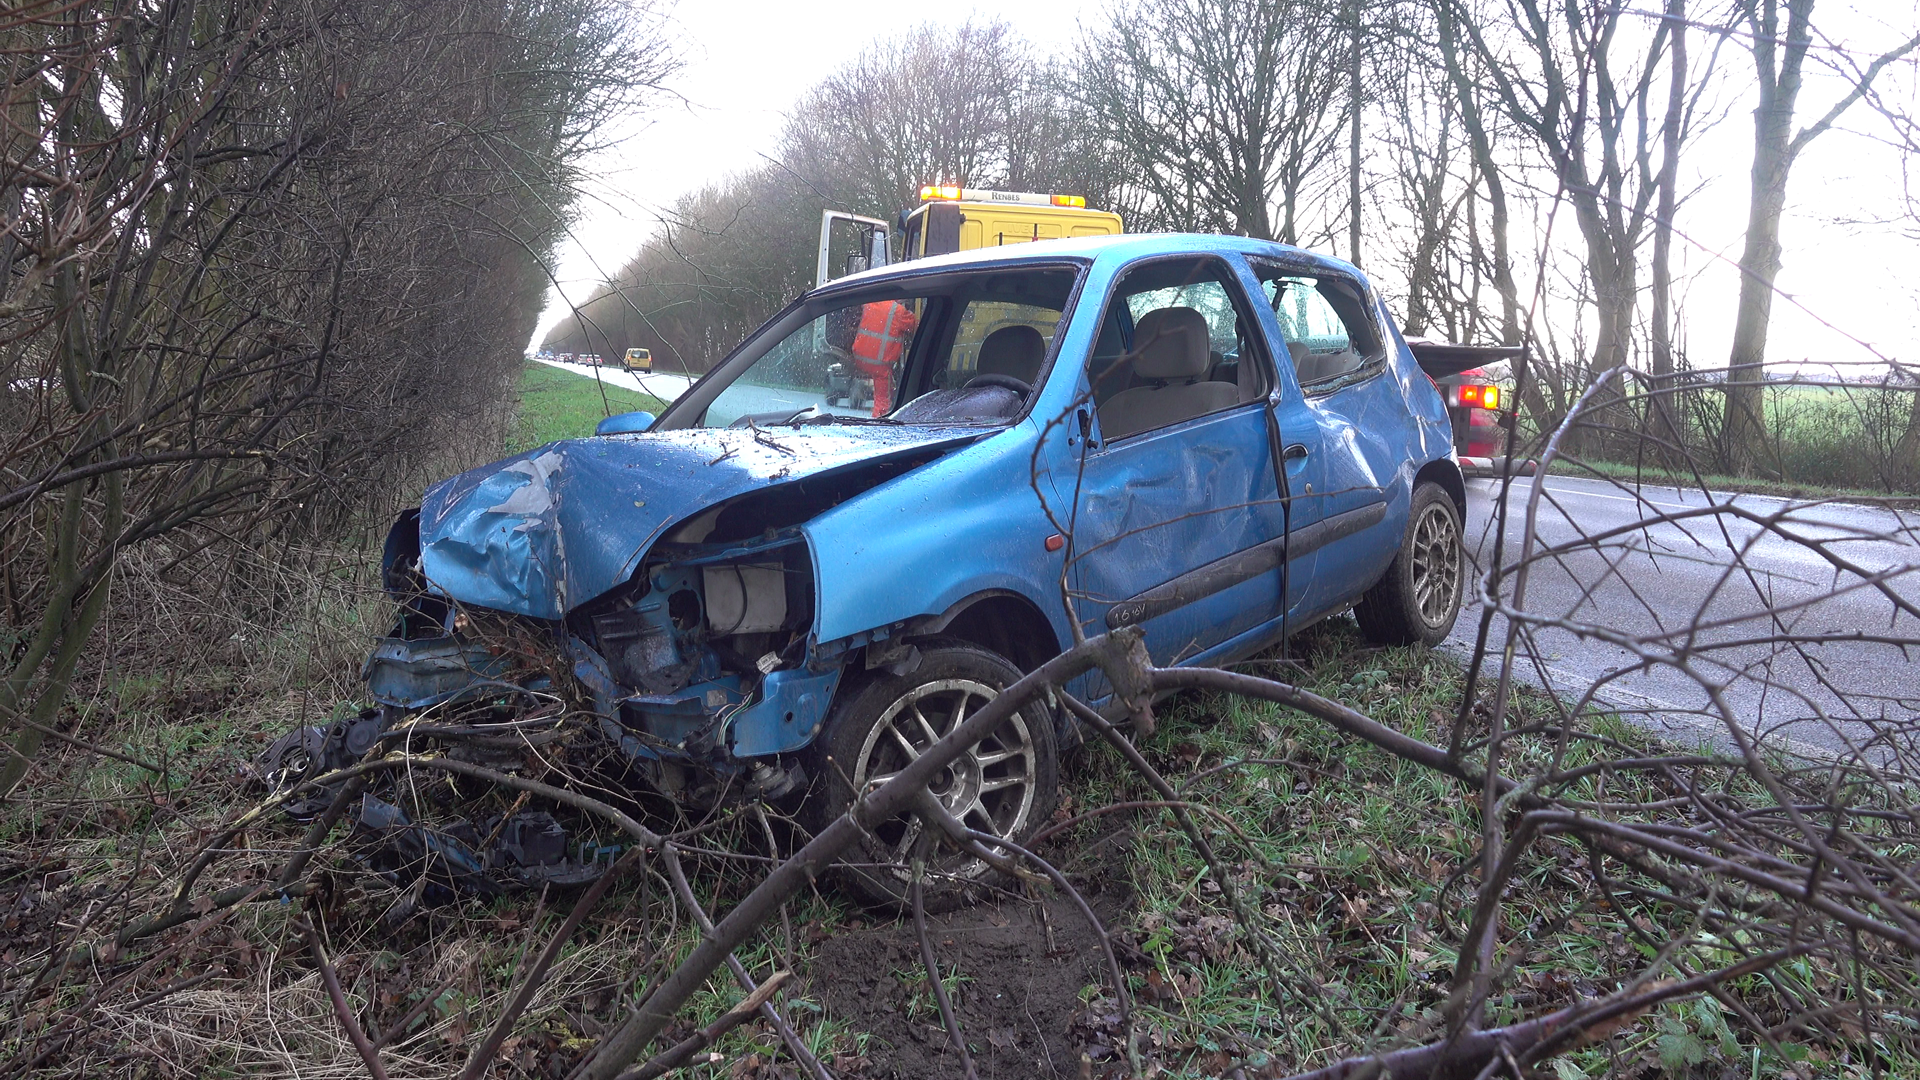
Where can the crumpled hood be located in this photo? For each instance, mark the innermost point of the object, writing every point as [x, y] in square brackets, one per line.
[544, 531]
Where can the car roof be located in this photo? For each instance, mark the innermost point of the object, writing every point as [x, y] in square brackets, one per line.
[1122, 248]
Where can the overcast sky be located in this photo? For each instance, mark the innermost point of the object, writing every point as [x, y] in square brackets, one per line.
[748, 62]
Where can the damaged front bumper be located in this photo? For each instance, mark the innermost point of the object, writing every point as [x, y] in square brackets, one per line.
[720, 715]
[421, 674]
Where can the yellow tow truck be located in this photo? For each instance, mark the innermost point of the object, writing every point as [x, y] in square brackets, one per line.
[962, 219]
[952, 219]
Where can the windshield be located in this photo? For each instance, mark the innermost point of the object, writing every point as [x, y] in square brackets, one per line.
[963, 348]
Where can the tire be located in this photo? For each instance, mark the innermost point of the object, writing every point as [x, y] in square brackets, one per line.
[1419, 598]
[863, 738]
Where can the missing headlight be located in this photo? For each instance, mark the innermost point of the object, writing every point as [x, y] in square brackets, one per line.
[640, 651]
[745, 598]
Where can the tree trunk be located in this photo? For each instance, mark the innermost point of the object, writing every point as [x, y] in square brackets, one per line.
[1502, 268]
[1906, 452]
[1743, 429]
[1353, 134]
[1663, 409]
[1544, 412]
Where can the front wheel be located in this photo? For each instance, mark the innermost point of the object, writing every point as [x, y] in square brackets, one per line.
[1419, 598]
[1005, 785]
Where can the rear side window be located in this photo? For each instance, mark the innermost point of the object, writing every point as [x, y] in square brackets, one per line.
[1325, 321]
[1210, 298]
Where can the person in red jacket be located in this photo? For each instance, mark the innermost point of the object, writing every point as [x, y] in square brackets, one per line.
[885, 329]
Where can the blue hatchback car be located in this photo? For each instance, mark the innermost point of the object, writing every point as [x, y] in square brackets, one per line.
[779, 590]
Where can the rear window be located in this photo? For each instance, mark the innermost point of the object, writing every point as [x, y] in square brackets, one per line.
[1325, 321]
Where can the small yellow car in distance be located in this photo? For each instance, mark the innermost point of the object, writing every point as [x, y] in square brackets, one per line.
[638, 360]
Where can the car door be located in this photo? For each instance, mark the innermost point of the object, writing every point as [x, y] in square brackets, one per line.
[1179, 526]
[1335, 354]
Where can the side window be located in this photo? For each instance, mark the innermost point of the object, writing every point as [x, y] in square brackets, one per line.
[1325, 321]
[1173, 345]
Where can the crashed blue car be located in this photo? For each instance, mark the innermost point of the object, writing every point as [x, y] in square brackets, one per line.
[779, 590]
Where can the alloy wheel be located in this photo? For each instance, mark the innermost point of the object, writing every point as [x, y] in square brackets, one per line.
[991, 787]
[1436, 564]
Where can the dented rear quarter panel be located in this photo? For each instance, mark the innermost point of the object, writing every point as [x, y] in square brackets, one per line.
[1395, 424]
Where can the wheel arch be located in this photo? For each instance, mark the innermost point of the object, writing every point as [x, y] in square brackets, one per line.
[1444, 472]
[1000, 621]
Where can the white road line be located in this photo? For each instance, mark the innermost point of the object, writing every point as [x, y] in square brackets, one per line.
[1622, 498]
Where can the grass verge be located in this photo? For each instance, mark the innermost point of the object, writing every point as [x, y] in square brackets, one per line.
[1359, 866]
[556, 404]
[1652, 475]
[1354, 861]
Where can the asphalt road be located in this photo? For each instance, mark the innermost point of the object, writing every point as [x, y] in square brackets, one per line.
[1718, 585]
[660, 384]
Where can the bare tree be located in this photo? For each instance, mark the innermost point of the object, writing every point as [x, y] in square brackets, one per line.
[1780, 48]
[259, 263]
[1426, 227]
[1561, 74]
[1226, 112]
[927, 107]
[1667, 180]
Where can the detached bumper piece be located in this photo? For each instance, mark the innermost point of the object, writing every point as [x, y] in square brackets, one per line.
[437, 864]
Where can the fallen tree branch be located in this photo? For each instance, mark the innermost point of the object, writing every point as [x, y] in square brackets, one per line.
[932, 963]
[340, 1007]
[1139, 804]
[678, 1054]
[483, 1054]
[1344, 719]
[215, 901]
[683, 889]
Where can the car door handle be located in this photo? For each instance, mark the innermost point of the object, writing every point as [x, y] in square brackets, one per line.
[1085, 418]
[1295, 452]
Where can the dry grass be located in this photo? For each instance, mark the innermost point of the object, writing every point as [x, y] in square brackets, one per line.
[1350, 853]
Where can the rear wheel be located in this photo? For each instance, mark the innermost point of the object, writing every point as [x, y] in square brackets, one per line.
[1419, 598]
[1005, 785]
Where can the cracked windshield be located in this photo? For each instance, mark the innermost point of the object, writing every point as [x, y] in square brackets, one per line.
[967, 351]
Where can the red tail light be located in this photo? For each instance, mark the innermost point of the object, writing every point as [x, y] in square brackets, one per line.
[1477, 396]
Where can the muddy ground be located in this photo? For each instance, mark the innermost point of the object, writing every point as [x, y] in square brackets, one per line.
[1026, 970]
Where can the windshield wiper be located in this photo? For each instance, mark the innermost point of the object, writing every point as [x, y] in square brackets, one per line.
[836, 418]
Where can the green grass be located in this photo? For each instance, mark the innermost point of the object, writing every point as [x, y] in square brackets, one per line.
[1816, 442]
[1653, 475]
[556, 404]
[1349, 857]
